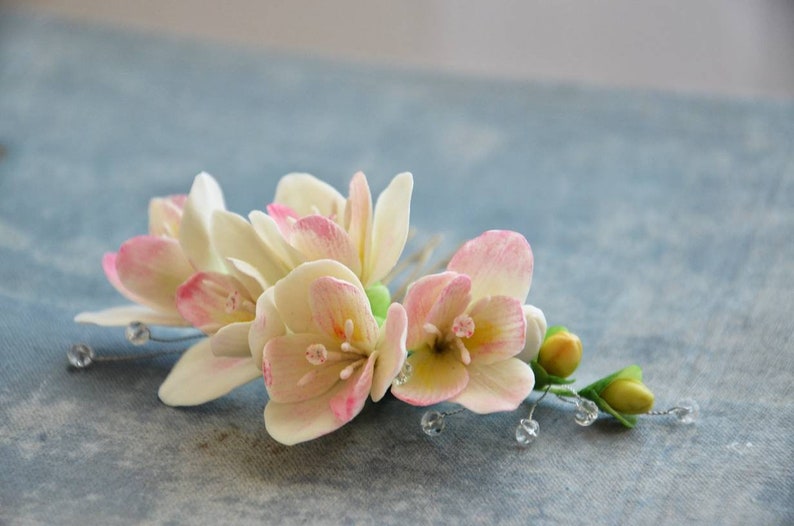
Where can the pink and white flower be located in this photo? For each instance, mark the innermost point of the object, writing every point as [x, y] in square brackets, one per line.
[466, 325]
[309, 220]
[333, 355]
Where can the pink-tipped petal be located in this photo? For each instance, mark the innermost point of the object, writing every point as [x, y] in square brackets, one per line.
[266, 325]
[232, 340]
[389, 228]
[536, 332]
[285, 368]
[500, 386]
[317, 237]
[199, 376]
[194, 233]
[499, 263]
[436, 377]
[358, 217]
[109, 267]
[419, 300]
[151, 268]
[248, 275]
[391, 351]
[124, 315]
[350, 400]
[453, 300]
[500, 329]
[209, 300]
[291, 294]
[284, 217]
[307, 195]
[165, 215]
[333, 302]
[291, 424]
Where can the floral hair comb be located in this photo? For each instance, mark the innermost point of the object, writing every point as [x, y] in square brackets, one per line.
[297, 295]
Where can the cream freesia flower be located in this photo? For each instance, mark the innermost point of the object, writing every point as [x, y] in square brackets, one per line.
[320, 372]
[466, 325]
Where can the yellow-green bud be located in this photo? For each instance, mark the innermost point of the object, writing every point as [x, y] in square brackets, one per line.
[560, 354]
[628, 396]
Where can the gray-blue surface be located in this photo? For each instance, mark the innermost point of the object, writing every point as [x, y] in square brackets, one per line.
[662, 231]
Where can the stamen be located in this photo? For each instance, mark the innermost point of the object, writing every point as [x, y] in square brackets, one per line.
[348, 371]
[463, 326]
[431, 329]
[306, 378]
[348, 347]
[316, 354]
[349, 329]
[465, 356]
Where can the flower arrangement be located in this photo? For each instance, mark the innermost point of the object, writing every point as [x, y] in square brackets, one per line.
[296, 295]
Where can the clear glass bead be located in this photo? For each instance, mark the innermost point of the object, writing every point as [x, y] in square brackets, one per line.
[686, 411]
[527, 431]
[137, 333]
[80, 355]
[404, 375]
[433, 423]
[586, 412]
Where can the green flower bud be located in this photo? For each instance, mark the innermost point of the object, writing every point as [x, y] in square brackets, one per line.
[628, 396]
[621, 394]
[379, 300]
[560, 353]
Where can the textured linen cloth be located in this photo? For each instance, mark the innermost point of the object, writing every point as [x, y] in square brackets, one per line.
[662, 228]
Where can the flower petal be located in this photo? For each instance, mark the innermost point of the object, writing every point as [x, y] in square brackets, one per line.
[307, 195]
[536, 332]
[500, 329]
[248, 275]
[358, 218]
[500, 386]
[194, 233]
[199, 376]
[267, 325]
[317, 237]
[350, 400]
[284, 217]
[284, 255]
[109, 267]
[436, 377]
[232, 340]
[453, 300]
[389, 228]
[152, 268]
[499, 263]
[210, 300]
[165, 215]
[291, 424]
[285, 368]
[124, 315]
[419, 300]
[335, 301]
[234, 237]
[291, 294]
[391, 351]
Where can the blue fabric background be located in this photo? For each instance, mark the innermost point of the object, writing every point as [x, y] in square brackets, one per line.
[662, 231]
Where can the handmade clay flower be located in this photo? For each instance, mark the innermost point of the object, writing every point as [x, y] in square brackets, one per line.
[334, 355]
[466, 325]
[316, 222]
[621, 394]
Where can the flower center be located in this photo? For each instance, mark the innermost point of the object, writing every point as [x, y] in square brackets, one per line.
[318, 354]
[462, 327]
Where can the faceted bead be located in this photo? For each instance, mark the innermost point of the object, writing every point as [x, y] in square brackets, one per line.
[433, 423]
[586, 412]
[527, 431]
[137, 333]
[686, 411]
[404, 375]
[80, 355]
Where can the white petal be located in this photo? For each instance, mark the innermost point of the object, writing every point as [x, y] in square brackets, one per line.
[308, 195]
[232, 340]
[194, 233]
[126, 314]
[500, 386]
[266, 326]
[536, 332]
[389, 228]
[284, 255]
[199, 376]
[234, 237]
